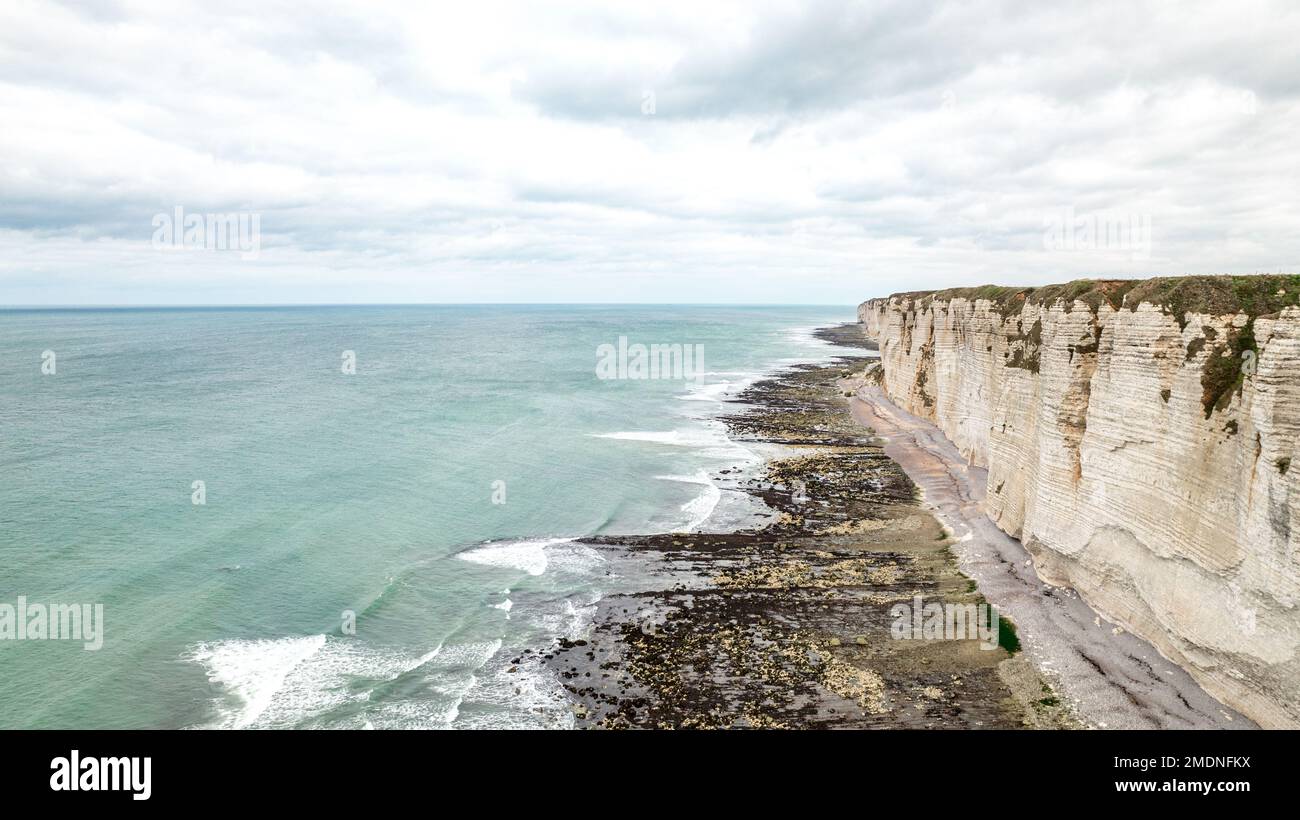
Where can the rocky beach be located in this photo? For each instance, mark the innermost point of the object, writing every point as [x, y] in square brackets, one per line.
[789, 624]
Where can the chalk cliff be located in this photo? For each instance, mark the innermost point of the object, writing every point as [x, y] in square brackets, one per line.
[1139, 438]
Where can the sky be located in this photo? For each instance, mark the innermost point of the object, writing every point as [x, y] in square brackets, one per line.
[703, 151]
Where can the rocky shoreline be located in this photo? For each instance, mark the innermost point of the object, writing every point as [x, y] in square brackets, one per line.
[789, 625]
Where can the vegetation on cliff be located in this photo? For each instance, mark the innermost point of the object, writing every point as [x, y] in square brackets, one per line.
[1010, 299]
[1223, 374]
[1177, 295]
[1217, 295]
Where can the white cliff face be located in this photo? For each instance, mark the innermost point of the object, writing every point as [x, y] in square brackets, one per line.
[1103, 462]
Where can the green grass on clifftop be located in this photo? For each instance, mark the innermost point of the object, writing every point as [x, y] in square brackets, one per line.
[1222, 375]
[1218, 295]
[1178, 295]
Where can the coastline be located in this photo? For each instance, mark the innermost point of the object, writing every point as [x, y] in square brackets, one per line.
[788, 624]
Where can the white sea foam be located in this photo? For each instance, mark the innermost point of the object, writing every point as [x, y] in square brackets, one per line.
[529, 555]
[719, 392]
[529, 697]
[470, 655]
[698, 509]
[282, 682]
[253, 671]
[700, 477]
[571, 618]
[676, 438]
[411, 714]
[578, 618]
[806, 336]
[300, 681]
[701, 507]
[573, 558]
[712, 392]
[818, 350]
[710, 441]
[452, 679]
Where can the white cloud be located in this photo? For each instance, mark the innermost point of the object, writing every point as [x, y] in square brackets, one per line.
[812, 152]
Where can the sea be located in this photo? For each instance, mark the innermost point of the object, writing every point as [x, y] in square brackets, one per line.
[349, 516]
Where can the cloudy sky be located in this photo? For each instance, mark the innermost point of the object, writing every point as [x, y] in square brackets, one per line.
[704, 151]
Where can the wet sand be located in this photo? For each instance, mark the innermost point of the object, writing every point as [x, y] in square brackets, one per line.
[789, 624]
[1110, 678]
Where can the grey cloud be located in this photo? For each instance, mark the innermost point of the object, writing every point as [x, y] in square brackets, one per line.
[828, 55]
[916, 140]
[823, 55]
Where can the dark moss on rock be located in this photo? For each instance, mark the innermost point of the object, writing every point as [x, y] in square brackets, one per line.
[1025, 349]
[1224, 375]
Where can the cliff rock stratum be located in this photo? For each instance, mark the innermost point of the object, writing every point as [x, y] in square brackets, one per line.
[1139, 438]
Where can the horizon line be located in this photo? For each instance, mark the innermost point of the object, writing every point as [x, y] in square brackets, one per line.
[230, 305]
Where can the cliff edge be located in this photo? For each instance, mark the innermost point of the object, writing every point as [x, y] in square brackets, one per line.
[1139, 437]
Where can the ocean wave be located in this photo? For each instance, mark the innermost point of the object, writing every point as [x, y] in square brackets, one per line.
[411, 714]
[320, 681]
[452, 680]
[515, 696]
[572, 618]
[710, 441]
[281, 682]
[702, 506]
[806, 335]
[719, 392]
[505, 694]
[528, 555]
[536, 555]
[253, 671]
[676, 438]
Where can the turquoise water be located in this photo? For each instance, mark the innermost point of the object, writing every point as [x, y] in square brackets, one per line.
[328, 492]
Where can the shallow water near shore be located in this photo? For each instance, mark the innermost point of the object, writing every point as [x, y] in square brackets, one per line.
[371, 493]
